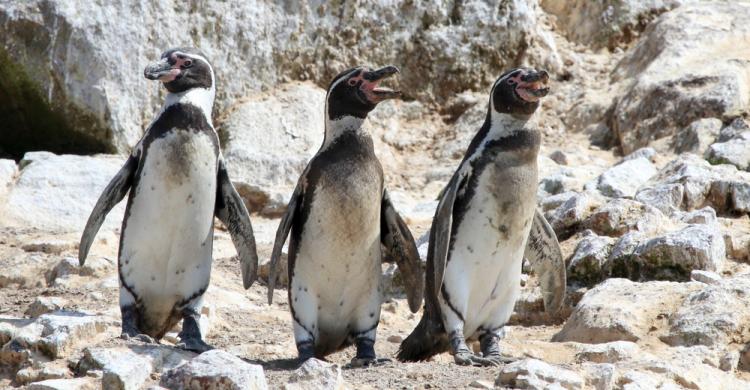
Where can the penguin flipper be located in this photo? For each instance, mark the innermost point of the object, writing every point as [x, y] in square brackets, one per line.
[117, 188]
[400, 246]
[231, 210]
[543, 251]
[440, 233]
[281, 234]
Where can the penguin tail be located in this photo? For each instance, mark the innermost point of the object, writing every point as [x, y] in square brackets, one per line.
[426, 340]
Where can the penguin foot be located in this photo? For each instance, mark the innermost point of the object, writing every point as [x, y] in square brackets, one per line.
[466, 358]
[194, 345]
[499, 359]
[367, 362]
[144, 338]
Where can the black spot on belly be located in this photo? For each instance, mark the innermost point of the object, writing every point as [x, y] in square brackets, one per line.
[153, 278]
[152, 188]
[295, 299]
[319, 307]
[341, 303]
[470, 249]
[305, 289]
[372, 315]
[504, 230]
[506, 206]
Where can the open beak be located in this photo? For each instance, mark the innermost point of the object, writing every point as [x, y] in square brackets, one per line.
[371, 88]
[161, 70]
[533, 85]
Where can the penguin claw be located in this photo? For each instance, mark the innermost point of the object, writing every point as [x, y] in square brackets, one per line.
[138, 337]
[469, 359]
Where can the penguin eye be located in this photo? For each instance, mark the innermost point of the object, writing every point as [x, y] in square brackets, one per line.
[511, 82]
[352, 82]
[188, 63]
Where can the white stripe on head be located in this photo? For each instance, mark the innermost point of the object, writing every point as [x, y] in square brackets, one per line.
[334, 128]
[202, 98]
[502, 122]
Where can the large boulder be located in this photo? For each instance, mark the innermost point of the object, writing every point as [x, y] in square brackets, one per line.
[218, 370]
[79, 74]
[270, 138]
[681, 70]
[607, 23]
[57, 192]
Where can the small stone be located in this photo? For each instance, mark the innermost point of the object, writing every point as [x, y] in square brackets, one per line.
[44, 305]
[623, 180]
[66, 384]
[316, 374]
[735, 152]
[620, 216]
[536, 374]
[588, 261]
[600, 376]
[394, 338]
[697, 136]
[568, 218]
[665, 197]
[48, 246]
[611, 352]
[559, 157]
[215, 369]
[729, 361]
[647, 153]
[706, 277]
[705, 216]
[481, 384]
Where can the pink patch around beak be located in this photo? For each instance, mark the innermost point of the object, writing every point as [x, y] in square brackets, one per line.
[170, 76]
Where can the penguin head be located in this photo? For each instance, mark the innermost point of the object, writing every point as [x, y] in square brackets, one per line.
[181, 69]
[355, 92]
[518, 91]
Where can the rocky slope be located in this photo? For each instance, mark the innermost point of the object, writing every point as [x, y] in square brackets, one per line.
[644, 177]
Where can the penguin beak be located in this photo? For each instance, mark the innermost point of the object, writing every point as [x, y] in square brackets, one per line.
[370, 84]
[161, 70]
[532, 85]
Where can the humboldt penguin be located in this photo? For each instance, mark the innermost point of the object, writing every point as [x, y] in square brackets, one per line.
[339, 216]
[177, 182]
[485, 220]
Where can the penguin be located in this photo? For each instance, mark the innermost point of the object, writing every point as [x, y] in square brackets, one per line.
[339, 216]
[177, 182]
[485, 221]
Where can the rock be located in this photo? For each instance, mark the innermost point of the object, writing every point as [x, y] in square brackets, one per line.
[722, 187]
[129, 368]
[481, 384]
[44, 305]
[270, 139]
[648, 153]
[559, 157]
[8, 171]
[45, 372]
[316, 374]
[738, 128]
[623, 180]
[612, 352]
[55, 335]
[282, 274]
[536, 374]
[561, 179]
[735, 152]
[744, 363]
[674, 255]
[94, 266]
[216, 369]
[569, 216]
[596, 320]
[697, 136]
[729, 361]
[104, 101]
[589, 258]
[706, 216]
[706, 277]
[462, 132]
[600, 376]
[666, 197]
[608, 23]
[620, 216]
[676, 75]
[715, 316]
[66, 384]
[57, 193]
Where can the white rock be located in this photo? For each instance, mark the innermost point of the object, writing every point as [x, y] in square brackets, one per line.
[8, 171]
[600, 376]
[607, 23]
[316, 374]
[596, 320]
[68, 266]
[729, 361]
[623, 180]
[715, 316]
[706, 216]
[216, 369]
[673, 77]
[620, 216]
[55, 335]
[127, 368]
[481, 384]
[270, 139]
[569, 216]
[536, 374]
[697, 136]
[57, 193]
[66, 384]
[667, 197]
[674, 255]
[735, 152]
[43, 305]
[612, 352]
[648, 153]
[588, 261]
[706, 277]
